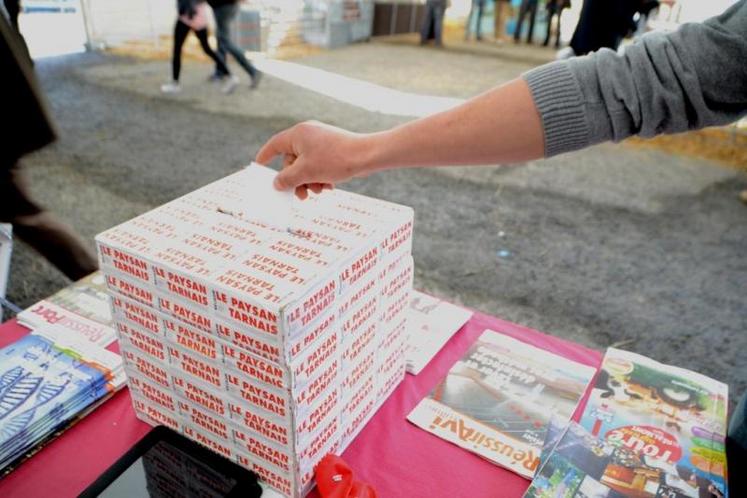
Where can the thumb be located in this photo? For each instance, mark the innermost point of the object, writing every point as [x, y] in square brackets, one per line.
[291, 176]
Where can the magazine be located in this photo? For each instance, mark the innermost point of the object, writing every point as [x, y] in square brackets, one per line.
[47, 378]
[673, 419]
[497, 400]
[430, 322]
[83, 308]
[580, 465]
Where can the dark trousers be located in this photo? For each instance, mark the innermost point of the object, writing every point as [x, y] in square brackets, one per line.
[40, 229]
[181, 31]
[14, 8]
[527, 7]
[432, 23]
[553, 9]
[224, 16]
[477, 7]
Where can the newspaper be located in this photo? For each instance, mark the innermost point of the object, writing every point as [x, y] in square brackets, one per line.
[431, 322]
[498, 399]
[671, 419]
[84, 308]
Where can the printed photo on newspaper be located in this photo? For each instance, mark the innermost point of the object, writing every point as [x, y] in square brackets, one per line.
[497, 400]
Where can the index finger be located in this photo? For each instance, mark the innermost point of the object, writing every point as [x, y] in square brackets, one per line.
[278, 144]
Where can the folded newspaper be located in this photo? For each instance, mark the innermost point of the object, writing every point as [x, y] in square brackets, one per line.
[670, 420]
[430, 322]
[47, 378]
[84, 308]
[498, 399]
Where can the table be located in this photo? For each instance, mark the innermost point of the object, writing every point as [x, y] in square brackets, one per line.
[396, 457]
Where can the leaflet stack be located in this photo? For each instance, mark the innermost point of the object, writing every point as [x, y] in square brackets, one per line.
[270, 345]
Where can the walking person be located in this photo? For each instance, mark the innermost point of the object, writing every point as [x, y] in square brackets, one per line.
[478, 6]
[225, 12]
[433, 22]
[193, 17]
[555, 8]
[27, 128]
[527, 7]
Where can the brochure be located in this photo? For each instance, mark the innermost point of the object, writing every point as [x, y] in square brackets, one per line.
[430, 323]
[672, 419]
[497, 401]
[46, 379]
[83, 308]
[582, 465]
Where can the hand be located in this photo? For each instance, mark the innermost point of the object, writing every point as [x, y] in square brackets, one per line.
[316, 156]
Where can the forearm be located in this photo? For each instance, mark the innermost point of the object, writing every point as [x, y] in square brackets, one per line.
[499, 126]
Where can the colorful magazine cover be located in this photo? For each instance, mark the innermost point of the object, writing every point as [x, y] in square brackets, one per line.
[673, 419]
[580, 465]
[84, 308]
[498, 399]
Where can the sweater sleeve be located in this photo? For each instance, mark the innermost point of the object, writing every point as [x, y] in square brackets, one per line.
[664, 83]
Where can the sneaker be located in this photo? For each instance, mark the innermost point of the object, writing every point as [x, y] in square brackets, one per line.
[173, 87]
[216, 77]
[255, 80]
[231, 83]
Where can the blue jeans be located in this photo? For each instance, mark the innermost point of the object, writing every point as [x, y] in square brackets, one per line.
[223, 17]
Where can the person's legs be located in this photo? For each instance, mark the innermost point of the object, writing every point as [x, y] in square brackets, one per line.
[438, 24]
[520, 19]
[480, 7]
[181, 31]
[224, 16]
[39, 228]
[202, 35]
[532, 17]
[425, 29]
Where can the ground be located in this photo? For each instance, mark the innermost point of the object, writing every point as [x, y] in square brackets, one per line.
[616, 245]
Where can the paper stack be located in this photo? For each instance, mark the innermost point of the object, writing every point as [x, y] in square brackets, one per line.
[272, 345]
[47, 379]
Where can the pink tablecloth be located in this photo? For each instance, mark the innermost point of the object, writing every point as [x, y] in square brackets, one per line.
[390, 453]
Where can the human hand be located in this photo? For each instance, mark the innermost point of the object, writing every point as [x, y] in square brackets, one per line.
[316, 156]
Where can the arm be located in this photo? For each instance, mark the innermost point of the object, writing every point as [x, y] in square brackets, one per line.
[318, 155]
[692, 78]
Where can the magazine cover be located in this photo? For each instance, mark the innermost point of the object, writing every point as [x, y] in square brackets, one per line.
[83, 308]
[498, 399]
[580, 465]
[430, 324]
[44, 383]
[673, 419]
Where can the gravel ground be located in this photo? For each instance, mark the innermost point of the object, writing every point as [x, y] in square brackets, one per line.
[612, 245]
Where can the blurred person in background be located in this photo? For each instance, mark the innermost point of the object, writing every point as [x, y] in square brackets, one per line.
[433, 22]
[477, 8]
[225, 12]
[27, 127]
[604, 24]
[526, 7]
[663, 83]
[555, 8]
[192, 16]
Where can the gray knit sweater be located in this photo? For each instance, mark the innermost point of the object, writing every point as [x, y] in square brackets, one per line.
[664, 83]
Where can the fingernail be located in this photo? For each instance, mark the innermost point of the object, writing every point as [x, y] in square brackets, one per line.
[276, 184]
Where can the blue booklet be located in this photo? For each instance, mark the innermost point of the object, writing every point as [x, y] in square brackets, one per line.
[44, 382]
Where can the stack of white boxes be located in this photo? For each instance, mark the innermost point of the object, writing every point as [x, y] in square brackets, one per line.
[271, 346]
